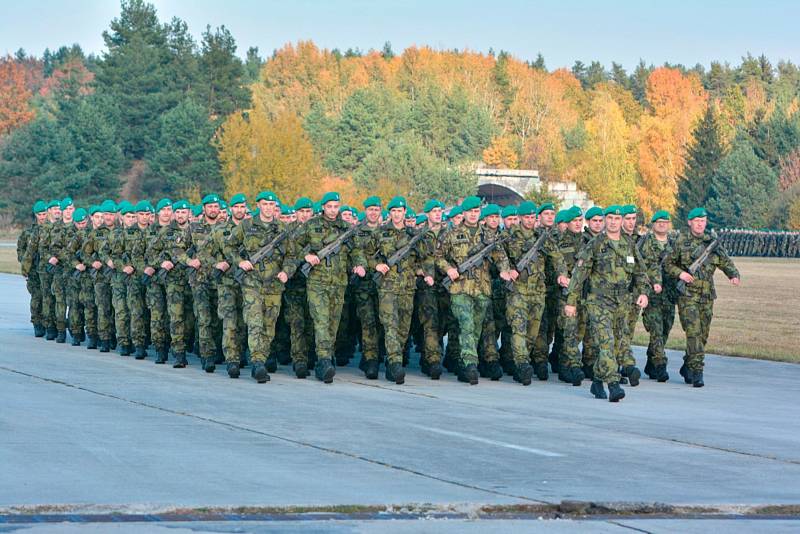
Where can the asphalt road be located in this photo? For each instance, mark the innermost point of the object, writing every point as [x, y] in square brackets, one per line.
[86, 433]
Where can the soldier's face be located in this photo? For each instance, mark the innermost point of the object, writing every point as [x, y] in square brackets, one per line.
[81, 225]
[435, 216]
[347, 216]
[629, 223]
[508, 222]
[331, 210]
[576, 225]
[211, 210]
[129, 219]
[613, 223]
[182, 215]
[143, 218]
[54, 214]
[528, 221]
[457, 220]
[547, 218]
[471, 216]
[109, 218]
[698, 225]
[304, 214]
[276, 210]
[397, 216]
[67, 212]
[97, 220]
[266, 209]
[373, 214]
[493, 221]
[41, 217]
[238, 211]
[165, 215]
[661, 226]
[596, 224]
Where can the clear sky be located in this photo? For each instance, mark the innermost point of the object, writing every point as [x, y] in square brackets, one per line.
[678, 31]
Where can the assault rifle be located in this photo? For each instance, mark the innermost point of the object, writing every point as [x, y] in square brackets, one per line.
[264, 252]
[401, 253]
[474, 260]
[332, 248]
[527, 259]
[698, 263]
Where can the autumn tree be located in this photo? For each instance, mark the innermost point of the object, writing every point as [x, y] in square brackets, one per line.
[14, 96]
[500, 153]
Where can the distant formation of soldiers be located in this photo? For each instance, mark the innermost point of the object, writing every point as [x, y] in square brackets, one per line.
[760, 243]
[479, 290]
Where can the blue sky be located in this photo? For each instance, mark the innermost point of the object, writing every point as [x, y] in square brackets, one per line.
[678, 31]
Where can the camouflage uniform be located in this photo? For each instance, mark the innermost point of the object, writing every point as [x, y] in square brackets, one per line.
[156, 293]
[625, 357]
[42, 250]
[298, 319]
[434, 302]
[135, 250]
[696, 306]
[229, 303]
[26, 242]
[114, 249]
[93, 246]
[659, 315]
[60, 235]
[488, 353]
[366, 298]
[573, 329]
[85, 285]
[548, 326]
[74, 282]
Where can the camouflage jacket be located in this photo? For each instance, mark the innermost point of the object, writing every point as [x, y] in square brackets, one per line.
[402, 277]
[570, 244]
[533, 279]
[41, 246]
[432, 247]
[60, 237]
[458, 245]
[335, 269]
[654, 252]
[165, 245]
[30, 250]
[197, 240]
[23, 240]
[246, 239]
[610, 268]
[363, 240]
[685, 250]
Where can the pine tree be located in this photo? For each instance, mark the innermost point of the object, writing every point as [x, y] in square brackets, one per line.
[704, 156]
[221, 87]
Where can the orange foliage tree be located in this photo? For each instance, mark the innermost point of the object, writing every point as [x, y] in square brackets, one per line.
[14, 96]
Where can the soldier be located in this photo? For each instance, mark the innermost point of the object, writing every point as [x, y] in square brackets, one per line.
[29, 261]
[526, 301]
[610, 265]
[73, 276]
[510, 217]
[494, 323]
[660, 312]
[456, 215]
[117, 259]
[470, 292]
[263, 281]
[595, 223]
[546, 215]
[86, 283]
[61, 234]
[626, 361]
[134, 255]
[327, 279]
[47, 262]
[93, 254]
[696, 302]
[156, 287]
[366, 293]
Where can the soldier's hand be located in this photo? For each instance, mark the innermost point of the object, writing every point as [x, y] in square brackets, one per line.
[452, 273]
[563, 281]
[686, 277]
[81, 267]
[194, 263]
[223, 266]
[428, 280]
[53, 260]
[570, 311]
[382, 268]
[735, 281]
[505, 275]
[149, 271]
[110, 264]
[245, 265]
[514, 274]
[312, 259]
[283, 277]
[657, 288]
[167, 265]
[360, 271]
[96, 265]
[642, 301]
[127, 270]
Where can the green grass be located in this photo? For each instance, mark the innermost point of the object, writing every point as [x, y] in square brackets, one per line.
[8, 260]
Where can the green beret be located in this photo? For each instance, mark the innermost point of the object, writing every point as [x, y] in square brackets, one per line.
[39, 206]
[432, 204]
[526, 207]
[346, 208]
[372, 201]
[303, 203]
[661, 214]
[628, 209]
[361, 216]
[54, 204]
[210, 199]
[544, 207]
[470, 203]
[560, 216]
[594, 211]
[317, 207]
[223, 205]
[697, 212]
[490, 209]
[385, 213]
[163, 203]
[410, 214]
[127, 208]
[287, 210]
[65, 203]
[422, 218]
[571, 214]
[396, 202]
[508, 211]
[330, 196]
[455, 211]
[181, 205]
[238, 198]
[142, 205]
[269, 196]
[198, 210]
[124, 205]
[108, 206]
[79, 215]
[94, 208]
[613, 210]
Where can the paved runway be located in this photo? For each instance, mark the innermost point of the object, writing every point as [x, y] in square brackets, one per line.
[87, 432]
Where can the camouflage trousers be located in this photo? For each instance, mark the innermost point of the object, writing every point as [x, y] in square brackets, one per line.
[695, 314]
[119, 300]
[547, 328]
[58, 288]
[87, 298]
[347, 332]
[180, 310]
[366, 297]
[230, 308]
[209, 332]
[608, 316]
[156, 295]
[433, 312]
[325, 306]
[493, 324]
[35, 290]
[625, 355]
[573, 331]
[136, 309]
[281, 341]
[449, 323]
[470, 312]
[298, 319]
[76, 314]
[658, 319]
[524, 314]
[395, 309]
[48, 300]
[261, 304]
[105, 310]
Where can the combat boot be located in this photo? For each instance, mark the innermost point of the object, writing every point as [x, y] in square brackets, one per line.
[494, 371]
[180, 360]
[104, 345]
[577, 376]
[686, 374]
[325, 370]
[162, 355]
[51, 334]
[564, 374]
[697, 379]
[76, 341]
[272, 364]
[395, 373]
[259, 372]
[301, 369]
[523, 373]
[598, 390]
[469, 373]
[124, 350]
[38, 330]
[233, 369]
[553, 358]
[61, 337]
[634, 375]
[210, 365]
[219, 356]
[650, 370]
[541, 371]
[661, 373]
[92, 343]
[615, 392]
[435, 371]
[371, 369]
[141, 353]
[588, 371]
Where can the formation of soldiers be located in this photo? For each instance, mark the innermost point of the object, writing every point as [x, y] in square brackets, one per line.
[478, 290]
[760, 243]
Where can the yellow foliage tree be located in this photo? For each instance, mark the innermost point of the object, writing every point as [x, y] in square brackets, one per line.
[794, 215]
[501, 153]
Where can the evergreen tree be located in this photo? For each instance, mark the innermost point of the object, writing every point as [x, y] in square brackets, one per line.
[704, 156]
[252, 66]
[221, 87]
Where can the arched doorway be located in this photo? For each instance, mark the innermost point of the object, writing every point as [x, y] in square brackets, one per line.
[498, 194]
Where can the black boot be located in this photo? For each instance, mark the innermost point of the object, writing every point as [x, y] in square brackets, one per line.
[650, 370]
[598, 390]
[553, 358]
[272, 364]
[51, 334]
[104, 345]
[469, 373]
[141, 353]
[92, 343]
[523, 373]
[325, 370]
[494, 371]
[577, 376]
[38, 330]
[541, 371]
[435, 371]
[697, 379]
[76, 339]
[210, 365]
[284, 358]
[180, 360]
[634, 375]
[371, 369]
[259, 372]
[395, 373]
[124, 350]
[661, 373]
[686, 374]
[588, 371]
[61, 337]
[233, 369]
[301, 369]
[162, 355]
[615, 392]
